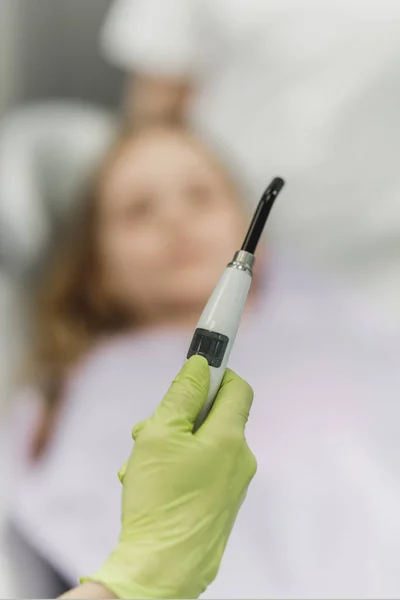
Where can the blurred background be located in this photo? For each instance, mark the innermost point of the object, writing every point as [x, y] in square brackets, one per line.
[320, 109]
[48, 50]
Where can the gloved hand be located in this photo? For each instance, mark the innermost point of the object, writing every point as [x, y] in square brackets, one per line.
[182, 491]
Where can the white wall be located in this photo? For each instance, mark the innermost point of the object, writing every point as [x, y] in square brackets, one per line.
[9, 54]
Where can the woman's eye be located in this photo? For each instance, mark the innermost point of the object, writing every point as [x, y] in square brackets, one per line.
[200, 195]
[139, 210]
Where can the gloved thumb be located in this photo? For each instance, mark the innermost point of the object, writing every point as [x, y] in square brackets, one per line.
[187, 394]
[183, 401]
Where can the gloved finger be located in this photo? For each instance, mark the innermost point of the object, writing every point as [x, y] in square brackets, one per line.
[231, 407]
[122, 471]
[187, 394]
[137, 429]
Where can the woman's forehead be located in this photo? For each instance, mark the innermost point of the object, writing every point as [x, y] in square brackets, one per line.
[158, 152]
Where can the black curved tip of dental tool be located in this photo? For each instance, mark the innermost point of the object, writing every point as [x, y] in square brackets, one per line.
[261, 215]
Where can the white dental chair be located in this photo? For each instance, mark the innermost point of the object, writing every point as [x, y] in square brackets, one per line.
[47, 152]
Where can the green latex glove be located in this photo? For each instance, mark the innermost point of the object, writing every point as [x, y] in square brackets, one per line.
[182, 491]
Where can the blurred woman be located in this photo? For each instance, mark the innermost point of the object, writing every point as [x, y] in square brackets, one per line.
[115, 320]
[147, 250]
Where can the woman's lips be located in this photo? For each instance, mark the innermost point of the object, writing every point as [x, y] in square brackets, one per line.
[185, 256]
[187, 260]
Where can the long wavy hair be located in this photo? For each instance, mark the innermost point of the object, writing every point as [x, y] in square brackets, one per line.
[70, 313]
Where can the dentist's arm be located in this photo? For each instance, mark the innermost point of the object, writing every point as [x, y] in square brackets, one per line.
[152, 99]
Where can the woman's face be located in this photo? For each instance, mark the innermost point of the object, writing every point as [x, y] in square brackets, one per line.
[169, 223]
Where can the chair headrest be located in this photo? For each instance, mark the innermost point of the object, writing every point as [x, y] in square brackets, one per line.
[48, 151]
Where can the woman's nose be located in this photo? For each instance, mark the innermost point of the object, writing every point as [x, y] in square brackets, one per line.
[175, 217]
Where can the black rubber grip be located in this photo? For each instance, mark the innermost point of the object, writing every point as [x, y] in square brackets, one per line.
[210, 344]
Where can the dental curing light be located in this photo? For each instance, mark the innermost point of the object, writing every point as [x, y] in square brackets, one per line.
[217, 328]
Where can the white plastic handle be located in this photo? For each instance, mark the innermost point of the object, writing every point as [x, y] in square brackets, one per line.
[222, 314]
